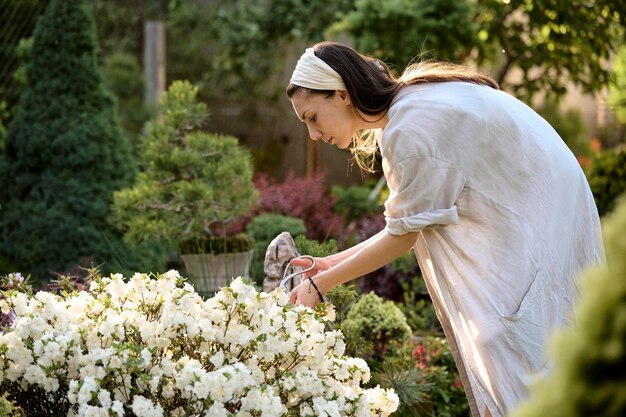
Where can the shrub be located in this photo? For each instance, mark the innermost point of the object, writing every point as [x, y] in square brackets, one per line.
[314, 248]
[353, 203]
[361, 229]
[388, 281]
[401, 375]
[8, 408]
[607, 178]
[418, 307]
[304, 198]
[65, 153]
[589, 373]
[438, 372]
[148, 346]
[425, 378]
[378, 321]
[220, 244]
[569, 124]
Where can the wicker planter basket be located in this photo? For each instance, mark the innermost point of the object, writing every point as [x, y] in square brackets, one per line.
[208, 273]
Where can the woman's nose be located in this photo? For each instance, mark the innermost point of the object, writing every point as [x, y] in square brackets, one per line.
[315, 134]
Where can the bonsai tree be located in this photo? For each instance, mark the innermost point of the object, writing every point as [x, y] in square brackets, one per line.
[191, 184]
[65, 153]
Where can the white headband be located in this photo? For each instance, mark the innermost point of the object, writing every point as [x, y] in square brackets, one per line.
[312, 72]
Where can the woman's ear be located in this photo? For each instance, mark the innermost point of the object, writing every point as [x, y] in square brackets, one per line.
[343, 96]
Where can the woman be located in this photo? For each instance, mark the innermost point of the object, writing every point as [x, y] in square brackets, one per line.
[493, 203]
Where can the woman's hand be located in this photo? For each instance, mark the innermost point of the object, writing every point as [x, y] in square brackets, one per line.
[305, 294]
[321, 265]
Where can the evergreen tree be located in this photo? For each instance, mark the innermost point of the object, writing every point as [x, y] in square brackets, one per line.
[65, 153]
[589, 376]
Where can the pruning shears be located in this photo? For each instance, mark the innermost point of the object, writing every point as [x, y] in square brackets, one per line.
[286, 277]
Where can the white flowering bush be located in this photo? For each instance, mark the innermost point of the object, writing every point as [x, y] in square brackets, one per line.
[151, 346]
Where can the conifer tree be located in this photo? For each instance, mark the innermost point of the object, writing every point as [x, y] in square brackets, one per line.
[65, 153]
[589, 376]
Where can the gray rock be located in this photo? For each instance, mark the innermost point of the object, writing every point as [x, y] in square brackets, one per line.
[277, 256]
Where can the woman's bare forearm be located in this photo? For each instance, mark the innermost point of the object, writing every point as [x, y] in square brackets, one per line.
[364, 258]
[337, 258]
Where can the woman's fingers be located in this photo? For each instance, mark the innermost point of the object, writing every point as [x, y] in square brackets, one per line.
[305, 262]
[301, 296]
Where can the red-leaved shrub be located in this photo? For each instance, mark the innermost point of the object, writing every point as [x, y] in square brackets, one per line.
[305, 198]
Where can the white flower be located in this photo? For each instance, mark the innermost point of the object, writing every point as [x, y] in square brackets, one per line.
[72, 393]
[118, 408]
[86, 410]
[217, 410]
[325, 408]
[382, 401]
[263, 400]
[168, 391]
[34, 375]
[330, 312]
[104, 398]
[341, 371]
[111, 324]
[218, 359]
[5, 307]
[116, 287]
[84, 393]
[143, 407]
[172, 274]
[245, 292]
[146, 356]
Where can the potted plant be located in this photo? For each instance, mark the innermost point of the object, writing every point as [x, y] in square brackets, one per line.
[191, 186]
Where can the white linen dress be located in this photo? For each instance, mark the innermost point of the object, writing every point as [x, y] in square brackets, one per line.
[506, 222]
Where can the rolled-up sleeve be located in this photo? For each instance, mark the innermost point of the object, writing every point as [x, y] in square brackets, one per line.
[423, 192]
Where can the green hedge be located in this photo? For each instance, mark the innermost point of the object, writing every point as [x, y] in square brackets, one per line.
[65, 153]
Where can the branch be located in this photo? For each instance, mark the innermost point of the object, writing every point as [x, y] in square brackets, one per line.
[510, 55]
[163, 207]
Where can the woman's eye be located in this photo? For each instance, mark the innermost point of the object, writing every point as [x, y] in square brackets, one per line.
[313, 119]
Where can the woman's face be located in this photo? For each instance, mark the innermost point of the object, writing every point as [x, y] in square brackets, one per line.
[331, 119]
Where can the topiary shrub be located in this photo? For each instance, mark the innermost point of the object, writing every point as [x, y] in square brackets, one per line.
[589, 375]
[377, 320]
[607, 178]
[65, 153]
